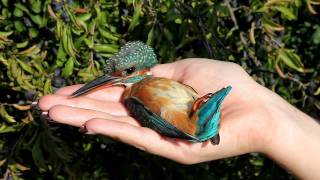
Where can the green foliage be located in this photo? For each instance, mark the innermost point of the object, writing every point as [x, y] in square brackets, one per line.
[52, 43]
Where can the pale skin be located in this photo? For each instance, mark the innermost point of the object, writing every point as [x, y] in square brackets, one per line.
[253, 119]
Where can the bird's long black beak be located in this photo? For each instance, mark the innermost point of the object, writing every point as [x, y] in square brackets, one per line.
[102, 80]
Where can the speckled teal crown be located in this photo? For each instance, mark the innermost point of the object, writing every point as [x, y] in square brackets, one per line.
[135, 54]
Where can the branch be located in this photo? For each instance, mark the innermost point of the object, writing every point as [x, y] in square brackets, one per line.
[231, 11]
[288, 76]
[235, 22]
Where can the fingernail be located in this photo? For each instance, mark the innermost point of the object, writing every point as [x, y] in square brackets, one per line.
[45, 116]
[34, 105]
[141, 148]
[83, 129]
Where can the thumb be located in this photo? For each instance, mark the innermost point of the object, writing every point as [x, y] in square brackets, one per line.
[164, 70]
[173, 71]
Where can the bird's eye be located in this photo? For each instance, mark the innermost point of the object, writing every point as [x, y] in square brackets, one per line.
[130, 70]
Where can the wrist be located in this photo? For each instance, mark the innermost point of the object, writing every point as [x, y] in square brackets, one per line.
[294, 140]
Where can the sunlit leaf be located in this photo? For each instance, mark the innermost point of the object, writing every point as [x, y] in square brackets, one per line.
[22, 107]
[6, 115]
[317, 92]
[68, 68]
[30, 51]
[22, 44]
[272, 25]
[135, 17]
[286, 12]
[26, 67]
[105, 48]
[291, 59]
[47, 88]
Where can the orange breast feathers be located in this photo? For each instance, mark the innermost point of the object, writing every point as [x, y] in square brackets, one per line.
[168, 99]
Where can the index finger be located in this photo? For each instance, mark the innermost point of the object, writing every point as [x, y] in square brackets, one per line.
[101, 93]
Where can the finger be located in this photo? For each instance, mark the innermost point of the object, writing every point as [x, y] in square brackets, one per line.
[101, 93]
[175, 70]
[77, 116]
[110, 107]
[140, 137]
[163, 70]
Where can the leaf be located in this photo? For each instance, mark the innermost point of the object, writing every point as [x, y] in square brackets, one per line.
[310, 8]
[4, 61]
[61, 53]
[38, 66]
[150, 36]
[291, 59]
[30, 51]
[33, 32]
[168, 34]
[70, 44]
[272, 25]
[317, 104]
[36, 6]
[107, 34]
[5, 115]
[22, 107]
[19, 26]
[105, 48]
[52, 13]
[82, 24]
[7, 129]
[38, 20]
[3, 160]
[88, 42]
[135, 18]
[17, 12]
[298, 3]
[286, 12]
[25, 67]
[22, 7]
[316, 36]
[15, 71]
[85, 75]
[22, 44]
[68, 68]
[85, 17]
[6, 34]
[317, 91]
[5, 2]
[19, 167]
[251, 33]
[37, 154]
[65, 41]
[47, 88]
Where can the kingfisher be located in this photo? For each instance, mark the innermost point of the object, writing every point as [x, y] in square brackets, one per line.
[169, 107]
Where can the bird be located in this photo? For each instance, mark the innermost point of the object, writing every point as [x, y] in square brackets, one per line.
[170, 108]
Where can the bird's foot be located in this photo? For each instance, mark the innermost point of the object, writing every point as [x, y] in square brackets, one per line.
[215, 140]
[200, 101]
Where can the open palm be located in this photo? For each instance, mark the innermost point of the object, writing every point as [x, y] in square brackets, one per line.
[243, 125]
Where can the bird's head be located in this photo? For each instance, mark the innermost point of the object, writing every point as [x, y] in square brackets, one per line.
[130, 65]
[132, 58]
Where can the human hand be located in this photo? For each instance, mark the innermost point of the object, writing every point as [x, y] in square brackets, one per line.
[246, 124]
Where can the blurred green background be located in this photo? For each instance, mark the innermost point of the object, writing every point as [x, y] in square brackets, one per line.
[48, 44]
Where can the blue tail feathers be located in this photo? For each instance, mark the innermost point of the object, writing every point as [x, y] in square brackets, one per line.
[209, 115]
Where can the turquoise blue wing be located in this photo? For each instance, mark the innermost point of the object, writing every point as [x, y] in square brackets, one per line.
[153, 121]
[209, 115]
